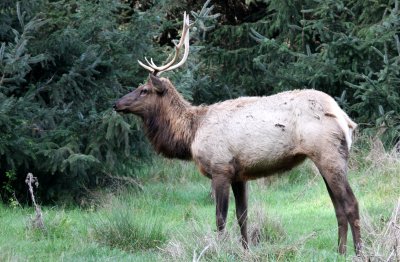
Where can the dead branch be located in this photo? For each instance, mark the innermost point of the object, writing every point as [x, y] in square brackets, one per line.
[37, 222]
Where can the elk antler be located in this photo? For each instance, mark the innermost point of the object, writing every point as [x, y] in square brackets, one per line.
[170, 65]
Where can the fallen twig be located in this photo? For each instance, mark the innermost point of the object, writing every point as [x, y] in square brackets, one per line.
[197, 259]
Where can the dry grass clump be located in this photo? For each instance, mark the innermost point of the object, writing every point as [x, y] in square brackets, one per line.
[266, 234]
[381, 238]
[265, 228]
[206, 245]
[379, 157]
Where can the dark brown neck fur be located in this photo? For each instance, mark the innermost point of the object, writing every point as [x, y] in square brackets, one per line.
[172, 125]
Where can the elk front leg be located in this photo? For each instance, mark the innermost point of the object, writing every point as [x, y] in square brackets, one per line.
[221, 190]
[240, 192]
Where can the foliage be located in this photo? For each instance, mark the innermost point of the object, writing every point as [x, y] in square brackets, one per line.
[60, 73]
[63, 64]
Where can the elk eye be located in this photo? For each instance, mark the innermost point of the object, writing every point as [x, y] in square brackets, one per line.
[143, 92]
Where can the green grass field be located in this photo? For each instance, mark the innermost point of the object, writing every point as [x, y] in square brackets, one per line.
[171, 218]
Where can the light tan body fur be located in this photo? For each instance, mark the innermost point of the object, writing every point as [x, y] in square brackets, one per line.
[265, 135]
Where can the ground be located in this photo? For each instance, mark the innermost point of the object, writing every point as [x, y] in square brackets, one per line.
[171, 218]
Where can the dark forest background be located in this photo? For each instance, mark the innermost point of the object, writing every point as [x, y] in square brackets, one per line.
[64, 63]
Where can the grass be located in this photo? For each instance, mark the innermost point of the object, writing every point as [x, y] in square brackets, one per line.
[171, 218]
[126, 228]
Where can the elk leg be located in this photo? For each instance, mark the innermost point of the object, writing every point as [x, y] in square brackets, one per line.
[342, 221]
[349, 203]
[240, 192]
[354, 219]
[336, 180]
[221, 190]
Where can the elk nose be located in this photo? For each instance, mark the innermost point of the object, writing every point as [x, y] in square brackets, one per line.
[115, 106]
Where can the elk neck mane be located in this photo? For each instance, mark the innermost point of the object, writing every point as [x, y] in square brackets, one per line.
[172, 125]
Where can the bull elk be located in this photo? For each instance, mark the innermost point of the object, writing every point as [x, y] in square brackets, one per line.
[247, 138]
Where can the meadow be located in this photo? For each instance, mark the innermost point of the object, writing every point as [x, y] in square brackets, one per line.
[166, 213]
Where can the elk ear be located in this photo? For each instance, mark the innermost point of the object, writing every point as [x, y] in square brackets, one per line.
[157, 83]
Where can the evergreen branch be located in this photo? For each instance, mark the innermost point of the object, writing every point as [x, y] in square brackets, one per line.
[2, 79]
[203, 17]
[396, 38]
[377, 51]
[295, 27]
[2, 49]
[20, 15]
[396, 7]
[259, 38]
[354, 86]
[308, 50]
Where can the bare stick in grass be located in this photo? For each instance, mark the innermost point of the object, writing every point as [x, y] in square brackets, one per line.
[37, 222]
[197, 259]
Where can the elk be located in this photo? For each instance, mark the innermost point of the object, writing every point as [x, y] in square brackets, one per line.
[238, 140]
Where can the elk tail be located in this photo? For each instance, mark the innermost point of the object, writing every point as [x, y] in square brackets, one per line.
[351, 128]
[346, 124]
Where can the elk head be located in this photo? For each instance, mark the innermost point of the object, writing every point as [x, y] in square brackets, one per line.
[142, 100]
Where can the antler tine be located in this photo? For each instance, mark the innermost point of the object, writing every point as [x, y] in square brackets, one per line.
[151, 66]
[185, 33]
[152, 70]
[186, 52]
[150, 63]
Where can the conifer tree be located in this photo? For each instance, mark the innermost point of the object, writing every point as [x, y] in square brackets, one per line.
[63, 64]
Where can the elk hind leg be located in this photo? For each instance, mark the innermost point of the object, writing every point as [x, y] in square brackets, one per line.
[240, 192]
[341, 219]
[334, 173]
